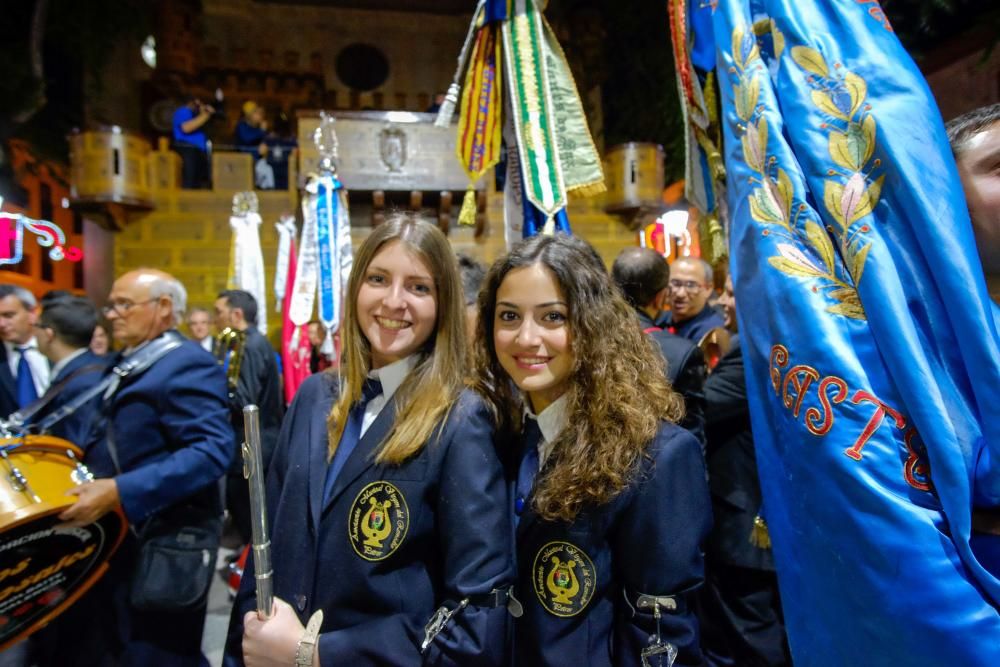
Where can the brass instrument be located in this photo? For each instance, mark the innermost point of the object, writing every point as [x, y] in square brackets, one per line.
[714, 345]
[229, 344]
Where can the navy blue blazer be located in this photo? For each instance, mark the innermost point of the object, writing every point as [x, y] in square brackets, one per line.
[171, 429]
[695, 328]
[392, 544]
[8, 387]
[79, 375]
[579, 581]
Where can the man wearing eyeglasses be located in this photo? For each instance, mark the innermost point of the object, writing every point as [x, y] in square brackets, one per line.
[165, 444]
[24, 371]
[690, 315]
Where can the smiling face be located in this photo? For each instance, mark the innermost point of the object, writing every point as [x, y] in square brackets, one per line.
[396, 304]
[689, 290]
[728, 302]
[979, 168]
[531, 334]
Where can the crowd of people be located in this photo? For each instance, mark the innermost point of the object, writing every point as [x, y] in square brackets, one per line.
[527, 464]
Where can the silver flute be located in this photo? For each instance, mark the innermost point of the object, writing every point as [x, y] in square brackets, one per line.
[253, 471]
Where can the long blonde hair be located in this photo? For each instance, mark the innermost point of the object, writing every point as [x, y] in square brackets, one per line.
[618, 393]
[426, 396]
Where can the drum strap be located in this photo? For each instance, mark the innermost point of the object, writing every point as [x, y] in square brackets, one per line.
[24, 416]
[134, 364]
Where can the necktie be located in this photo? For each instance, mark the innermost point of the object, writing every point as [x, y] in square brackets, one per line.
[26, 392]
[352, 434]
[531, 437]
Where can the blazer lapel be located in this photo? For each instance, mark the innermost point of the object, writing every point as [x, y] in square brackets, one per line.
[6, 378]
[363, 456]
[318, 448]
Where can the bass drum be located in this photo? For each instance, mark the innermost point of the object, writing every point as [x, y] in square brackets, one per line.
[45, 567]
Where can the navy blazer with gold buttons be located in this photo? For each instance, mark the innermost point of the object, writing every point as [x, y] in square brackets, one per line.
[392, 543]
[579, 582]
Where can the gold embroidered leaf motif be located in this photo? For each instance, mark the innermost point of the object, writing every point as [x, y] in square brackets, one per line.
[852, 310]
[833, 192]
[845, 295]
[858, 263]
[776, 197]
[745, 98]
[811, 60]
[753, 153]
[737, 47]
[853, 200]
[821, 242]
[823, 101]
[779, 39]
[857, 89]
[868, 129]
[785, 191]
[875, 191]
[794, 262]
[763, 208]
[848, 149]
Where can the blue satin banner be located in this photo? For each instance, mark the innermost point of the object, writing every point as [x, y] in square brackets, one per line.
[327, 222]
[872, 351]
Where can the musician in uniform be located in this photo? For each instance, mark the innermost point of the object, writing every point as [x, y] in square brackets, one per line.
[610, 502]
[690, 315]
[387, 499]
[166, 442]
[643, 277]
[258, 383]
[64, 331]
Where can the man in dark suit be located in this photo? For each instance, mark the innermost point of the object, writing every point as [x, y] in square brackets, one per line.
[24, 371]
[643, 277]
[690, 316]
[740, 610]
[65, 328]
[166, 443]
[259, 384]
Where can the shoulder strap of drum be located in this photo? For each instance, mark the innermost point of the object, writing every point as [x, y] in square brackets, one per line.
[133, 364]
[24, 416]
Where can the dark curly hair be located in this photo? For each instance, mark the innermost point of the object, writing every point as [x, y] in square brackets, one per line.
[618, 393]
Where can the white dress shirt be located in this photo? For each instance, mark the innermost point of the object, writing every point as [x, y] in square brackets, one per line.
[36, 360]
[391, 377]
[206, 343]
[551, 422]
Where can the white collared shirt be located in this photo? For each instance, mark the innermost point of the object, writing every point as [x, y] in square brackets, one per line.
[206, 343]
[62, 363]
[551, 422]
[391, 377]
[36, 360]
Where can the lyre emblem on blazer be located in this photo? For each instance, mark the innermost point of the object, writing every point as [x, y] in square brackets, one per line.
[378, 521]
[564, 578]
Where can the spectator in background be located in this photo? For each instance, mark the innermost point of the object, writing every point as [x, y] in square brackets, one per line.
[975, 141]
[435, 106]
[24, 370]
[100, 342]
[740, 610]
[251, 134]
[473, 273]
[199, 323]
[318, 361]
[690, 315]
[191, 143]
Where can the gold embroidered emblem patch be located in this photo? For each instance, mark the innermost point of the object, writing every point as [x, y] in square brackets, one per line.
[378, 521]
[563, 577]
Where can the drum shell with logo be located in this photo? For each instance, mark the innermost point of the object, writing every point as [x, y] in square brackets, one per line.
[44, 566]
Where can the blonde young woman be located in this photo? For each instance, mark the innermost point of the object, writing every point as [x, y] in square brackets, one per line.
[387, 502]
[609, 495]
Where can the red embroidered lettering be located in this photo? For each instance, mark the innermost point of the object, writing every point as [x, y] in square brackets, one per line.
[916, 471]
[800, 377]
[876, 420]
[779, 359]
[813, 415]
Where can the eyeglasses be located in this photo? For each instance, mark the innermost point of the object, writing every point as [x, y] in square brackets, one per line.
[123, 306]
[689, 285]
